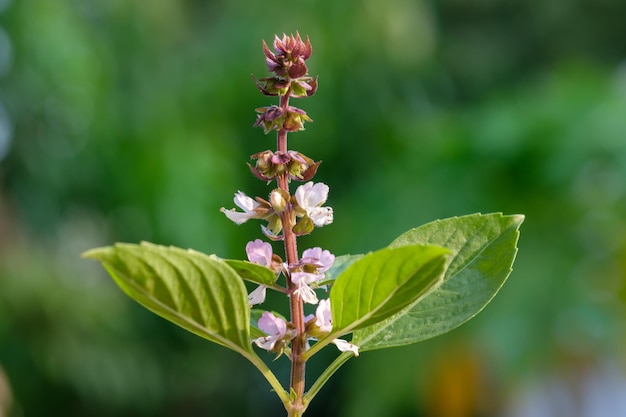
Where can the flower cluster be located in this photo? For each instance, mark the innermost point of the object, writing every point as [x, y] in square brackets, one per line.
[309, 271]
[306, 274]
[280, 332]
[288, 63]
[291, 79]
[275, 118]
[286, 216]
[295, 165]
[306, 204]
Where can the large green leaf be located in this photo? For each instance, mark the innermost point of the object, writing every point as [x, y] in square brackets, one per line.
[382, 283]
[483, 250]
[200, 293]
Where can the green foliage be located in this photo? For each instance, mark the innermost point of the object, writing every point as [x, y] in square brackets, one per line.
[428, 281]
[382, 283]
[201, 294]
[483, 249]
[252, 272]
[390, 297]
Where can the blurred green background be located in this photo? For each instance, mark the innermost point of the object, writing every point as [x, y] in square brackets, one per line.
[132, 120]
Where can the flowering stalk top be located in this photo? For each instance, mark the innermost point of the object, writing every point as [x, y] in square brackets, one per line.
[285, 215]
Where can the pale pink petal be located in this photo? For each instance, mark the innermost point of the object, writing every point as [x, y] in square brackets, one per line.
[244, 202]
[301, 193]
[259, 252]
[236, 216]
[321, 216]
[306, 294]
[304, 278]
[324, 257]
[266, 343]
[257, 296]
[272, 325]
[323, 316]
[311, 195]
[345, 346]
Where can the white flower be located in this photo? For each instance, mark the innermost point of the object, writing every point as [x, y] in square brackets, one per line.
[257, 296]
[323, 318]
[323, 326]
[345, 346]
[310, 198]
[247, 204]
[302, 280]
[321, 216]
[311, 195]
[315, 262]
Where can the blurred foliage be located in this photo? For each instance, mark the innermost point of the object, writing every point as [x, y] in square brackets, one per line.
[132, 120]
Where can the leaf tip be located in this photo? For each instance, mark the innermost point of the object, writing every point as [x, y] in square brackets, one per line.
[96, 253]
[518, 219]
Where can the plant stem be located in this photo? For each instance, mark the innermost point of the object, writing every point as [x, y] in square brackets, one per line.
[298, 344]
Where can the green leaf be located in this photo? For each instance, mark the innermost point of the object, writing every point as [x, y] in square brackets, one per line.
[483, 250]
[200, 293]
[341, 263]
[253, 272]
[382, 283]
[255, 315]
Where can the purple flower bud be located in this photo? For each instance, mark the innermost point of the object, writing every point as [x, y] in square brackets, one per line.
[303, 87]
[298, 69]
[288, 56]
[275, 118]
[272, 86]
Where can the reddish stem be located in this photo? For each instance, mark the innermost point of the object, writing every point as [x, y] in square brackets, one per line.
[298, 344]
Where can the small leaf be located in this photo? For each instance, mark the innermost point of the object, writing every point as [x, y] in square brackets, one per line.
[340, 265]
[200, 293]
[382, 283]
[255, 315]
[483, 250]
[253, 272]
